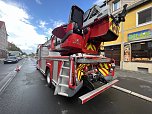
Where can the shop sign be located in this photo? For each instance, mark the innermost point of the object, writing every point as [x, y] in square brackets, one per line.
[140, 35]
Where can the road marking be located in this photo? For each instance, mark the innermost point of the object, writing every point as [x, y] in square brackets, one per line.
[42, 79]
[11, 77]
[8, 81]
[132, 93]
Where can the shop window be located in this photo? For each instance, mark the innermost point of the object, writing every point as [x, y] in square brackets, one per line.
[142, 51]
[144, 16]
[116, 5]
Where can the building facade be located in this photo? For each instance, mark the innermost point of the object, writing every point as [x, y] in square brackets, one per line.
[133, 49]
[3, 40]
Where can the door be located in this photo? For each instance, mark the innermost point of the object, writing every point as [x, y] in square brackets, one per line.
[113, 52]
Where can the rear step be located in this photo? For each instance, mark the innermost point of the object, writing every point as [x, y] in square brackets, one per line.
[88, 96]
[63, 94]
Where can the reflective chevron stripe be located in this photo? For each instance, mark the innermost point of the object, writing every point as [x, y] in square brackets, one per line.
[80, 73]
[106, 66]
[101, 65]
[113, 27]
[91, 47]
[94, 48]
[103, 71]
[106, 71]
[80, 70]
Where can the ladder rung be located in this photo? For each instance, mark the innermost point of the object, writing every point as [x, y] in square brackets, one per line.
[64, 76]
[64, 85]
[63, 94]
[65, 67]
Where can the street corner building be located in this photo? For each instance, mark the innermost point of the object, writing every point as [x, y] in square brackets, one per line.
[3, 40]
[133, 49]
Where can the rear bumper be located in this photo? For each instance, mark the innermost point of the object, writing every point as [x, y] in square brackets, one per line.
[86, 97]
[10, 61]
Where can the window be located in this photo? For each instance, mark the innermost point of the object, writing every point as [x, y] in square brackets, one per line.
[116, 5]
[144, 16]
[141, 51]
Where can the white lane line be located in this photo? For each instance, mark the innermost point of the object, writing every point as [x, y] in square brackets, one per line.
[132, 93]
[7, 82]
[13, 74]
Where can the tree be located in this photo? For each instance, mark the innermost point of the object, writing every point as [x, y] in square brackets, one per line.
[24, 53]
[13, 47]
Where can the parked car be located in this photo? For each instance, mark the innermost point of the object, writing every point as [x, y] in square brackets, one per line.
[19, 58]
[11, 59]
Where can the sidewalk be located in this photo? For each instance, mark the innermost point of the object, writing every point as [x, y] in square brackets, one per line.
[134, 74]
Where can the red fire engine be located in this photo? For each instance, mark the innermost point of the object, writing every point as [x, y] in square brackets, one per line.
[72, 58]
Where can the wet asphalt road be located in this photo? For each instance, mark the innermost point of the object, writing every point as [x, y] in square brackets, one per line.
[5, 69]
[29, 94]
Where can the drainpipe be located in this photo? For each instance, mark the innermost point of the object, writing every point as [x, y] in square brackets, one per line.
[122, 46]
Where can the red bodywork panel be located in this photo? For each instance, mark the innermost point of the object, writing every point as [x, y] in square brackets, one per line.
[99, 28]
[51, 70]
[74, 41]
[59, 67]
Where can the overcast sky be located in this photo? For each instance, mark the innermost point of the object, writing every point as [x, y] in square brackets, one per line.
[29, 22]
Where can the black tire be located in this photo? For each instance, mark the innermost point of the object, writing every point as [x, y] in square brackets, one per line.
[48, 80]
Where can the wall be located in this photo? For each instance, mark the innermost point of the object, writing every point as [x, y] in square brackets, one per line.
[3, 41]
[129, 26]
[135, 65]
[130, 23]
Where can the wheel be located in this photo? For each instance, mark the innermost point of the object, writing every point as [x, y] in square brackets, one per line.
[48, 78]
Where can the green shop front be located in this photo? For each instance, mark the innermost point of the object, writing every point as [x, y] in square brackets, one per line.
[138, 51]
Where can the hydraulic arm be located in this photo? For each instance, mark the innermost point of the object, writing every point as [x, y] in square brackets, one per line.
[85, 31]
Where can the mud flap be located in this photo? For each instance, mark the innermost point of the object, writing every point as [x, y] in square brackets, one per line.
[88, 96]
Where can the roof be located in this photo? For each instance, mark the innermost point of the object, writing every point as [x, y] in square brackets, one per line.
[132, 6]
[137, 4]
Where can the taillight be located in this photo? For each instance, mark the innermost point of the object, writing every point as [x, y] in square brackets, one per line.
[111, 72]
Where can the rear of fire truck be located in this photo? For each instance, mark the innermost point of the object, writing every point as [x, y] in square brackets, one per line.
[74, 59]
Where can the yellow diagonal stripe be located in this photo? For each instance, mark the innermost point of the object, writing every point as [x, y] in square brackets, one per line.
[101, 65]
[94, 48]
[105, 70]
[110, 19]
[80, 73]
[101, 71]
[106, 66]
